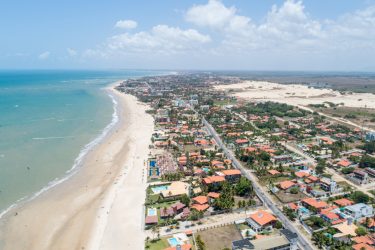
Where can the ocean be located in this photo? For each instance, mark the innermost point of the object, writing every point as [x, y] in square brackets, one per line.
[48, 120]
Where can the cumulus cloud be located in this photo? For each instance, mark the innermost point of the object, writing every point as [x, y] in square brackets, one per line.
[126, 24]
[287, 33]
[160, 39]
[213, 14]
[45, 55]
[71, 52]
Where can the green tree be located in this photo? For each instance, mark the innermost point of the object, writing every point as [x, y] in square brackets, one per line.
[278, 225]
[359, 197]
[185, 200]
[226, 200]
[367, 162]
[369, 147]
[200, 244]
[294, 190]
[360, 231]
[244, 187]
[319, 169]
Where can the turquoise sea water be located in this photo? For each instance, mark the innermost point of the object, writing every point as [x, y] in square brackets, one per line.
[46, 118]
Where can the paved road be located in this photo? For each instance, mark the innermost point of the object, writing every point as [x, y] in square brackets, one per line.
[304, 243]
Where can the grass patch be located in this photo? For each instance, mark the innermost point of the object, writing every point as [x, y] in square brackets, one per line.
[285, 197]
[160, 244]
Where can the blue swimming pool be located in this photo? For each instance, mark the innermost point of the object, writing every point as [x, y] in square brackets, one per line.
[173, 242]
[304, 210]
[159, 189]
[152, 163]
[151, 212]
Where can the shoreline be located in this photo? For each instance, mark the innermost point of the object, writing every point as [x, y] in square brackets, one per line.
[77, 161]
[65, 215]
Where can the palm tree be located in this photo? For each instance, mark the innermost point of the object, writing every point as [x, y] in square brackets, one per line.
[154, 230]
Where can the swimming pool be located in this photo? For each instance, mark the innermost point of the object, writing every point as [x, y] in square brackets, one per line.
[151, 212]
[159, 189]
[152, 163]
[304, 210]
[173, 242]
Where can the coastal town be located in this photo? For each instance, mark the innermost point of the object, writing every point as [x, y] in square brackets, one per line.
[226, 172]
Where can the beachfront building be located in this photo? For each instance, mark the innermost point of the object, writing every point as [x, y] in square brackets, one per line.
[176, 189]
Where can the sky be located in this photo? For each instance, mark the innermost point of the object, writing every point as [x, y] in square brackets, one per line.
[283, 35]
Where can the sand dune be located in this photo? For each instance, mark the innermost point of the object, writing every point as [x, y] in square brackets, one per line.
[296, 94]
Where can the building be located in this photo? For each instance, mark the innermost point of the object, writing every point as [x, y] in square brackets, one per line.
[370, 136]
[286, 185]
[360, 176]
[286, 240]
[243, 244]
[232, 175]
[213, 180]
[328, 185]
[358, 211]
[261, 220]
[312, 203]
[176, 189]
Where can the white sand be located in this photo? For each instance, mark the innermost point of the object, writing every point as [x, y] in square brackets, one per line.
[98, 207]
[296, 94]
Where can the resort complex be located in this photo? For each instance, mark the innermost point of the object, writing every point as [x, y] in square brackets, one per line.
[227, 172]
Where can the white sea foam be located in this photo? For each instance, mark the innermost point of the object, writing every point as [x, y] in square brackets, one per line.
[52, 137]
[88, 147]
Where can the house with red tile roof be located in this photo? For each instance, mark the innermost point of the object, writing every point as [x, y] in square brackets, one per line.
[293, 206]
[200, 200]
[242, 142]
[200, 207]
[326, 140]
[232, 175]
[213, 195]
[331, 217]
[216, 163]
[261, 220]
[251, 149]
[313, 178]
[344, 163]
[301, 174]
[150, 220]
[199, 172]
[343, 202]
[286, 185]
[273, 172]
[313, 203]
[183, 247]
[213, 180]
[366, 239]
[362, 246]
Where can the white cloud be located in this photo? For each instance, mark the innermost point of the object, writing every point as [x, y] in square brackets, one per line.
[126, 24]
[287, 36]
[71, 52]
[213, 14]
[45, 55]
[161, 39]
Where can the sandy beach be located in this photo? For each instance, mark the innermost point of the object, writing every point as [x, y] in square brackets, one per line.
[100, 206]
